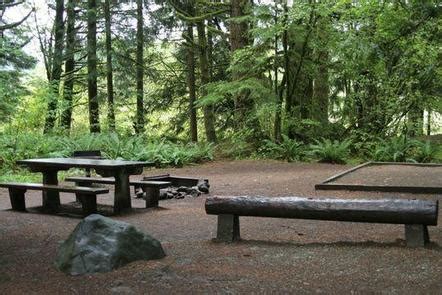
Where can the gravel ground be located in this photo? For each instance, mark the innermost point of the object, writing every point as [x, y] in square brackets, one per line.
[275, 255]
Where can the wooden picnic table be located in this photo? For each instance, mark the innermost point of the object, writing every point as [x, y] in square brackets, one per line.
[119, 169]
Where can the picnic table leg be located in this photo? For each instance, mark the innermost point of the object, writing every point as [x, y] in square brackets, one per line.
[122, 191]
[51, 199]
[152, 196]
[79, 197]
[89, 203]
[17, 197]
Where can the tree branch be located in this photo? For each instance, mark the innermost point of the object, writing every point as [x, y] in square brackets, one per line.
[16, 24]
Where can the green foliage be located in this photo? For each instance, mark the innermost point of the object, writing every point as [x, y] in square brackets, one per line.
[13, 61]
[19, 175]
[289, 149]
[426, 152]
[219, 91]
[328, 151]
[374, 67]
[403, 149]
[236, 146]
[162, 153]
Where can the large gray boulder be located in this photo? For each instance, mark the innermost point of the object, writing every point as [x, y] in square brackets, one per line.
[101, 244]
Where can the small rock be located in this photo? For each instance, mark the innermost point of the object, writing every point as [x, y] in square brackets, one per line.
[194, 192]
[122, 290]
[139, 194]
[183, 189]
[118, 283]
[204, 186]
[180, 195]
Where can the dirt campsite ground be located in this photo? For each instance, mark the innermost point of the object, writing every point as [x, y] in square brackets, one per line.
[274, 256]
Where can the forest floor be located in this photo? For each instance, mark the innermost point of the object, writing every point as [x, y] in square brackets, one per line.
[275, 255]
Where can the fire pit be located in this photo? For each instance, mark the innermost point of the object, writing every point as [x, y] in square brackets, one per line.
[181, 187]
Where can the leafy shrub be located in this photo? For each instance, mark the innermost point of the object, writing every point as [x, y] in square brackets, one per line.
[393, 150]
[403, 149]
[327, 151]
[289, 149]
[236, 145]
[426, 152]
[113, 146]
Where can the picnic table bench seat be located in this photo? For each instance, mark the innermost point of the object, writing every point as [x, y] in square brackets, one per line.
[87, 195]
[150, 187]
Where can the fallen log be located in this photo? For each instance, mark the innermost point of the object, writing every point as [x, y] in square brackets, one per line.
[397, 211]
[417, 214]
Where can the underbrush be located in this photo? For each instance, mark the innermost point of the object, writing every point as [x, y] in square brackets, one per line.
[395, 149]
[19, 175]
[288, 149]
[402, 149]
[15, 147]
[162, 153]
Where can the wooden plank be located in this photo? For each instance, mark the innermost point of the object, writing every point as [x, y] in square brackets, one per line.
[67, 163]
[379, 188]
[396, 211]
[408, 164]
[59, 188]
[111, 180]
[17, 198]
[152, 196]
[339, 175]
[327, 185]
[87, 154]
[416, 235]
[175, 180]
[156, 176]
[159, 184]
[85, 179]
[89, 204]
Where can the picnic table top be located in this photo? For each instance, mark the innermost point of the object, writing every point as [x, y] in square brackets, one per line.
[82, 163]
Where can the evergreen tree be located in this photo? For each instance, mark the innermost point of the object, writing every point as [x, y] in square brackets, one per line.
[94, 121]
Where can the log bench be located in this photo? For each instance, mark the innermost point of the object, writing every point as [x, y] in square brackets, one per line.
[87, 195]
[416, 215]
[150, 187]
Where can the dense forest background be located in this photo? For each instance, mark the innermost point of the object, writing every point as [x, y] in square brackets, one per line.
[181, 81]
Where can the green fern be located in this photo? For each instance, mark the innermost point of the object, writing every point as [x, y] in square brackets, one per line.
[289, 149]
[328, 151]
[112, 146]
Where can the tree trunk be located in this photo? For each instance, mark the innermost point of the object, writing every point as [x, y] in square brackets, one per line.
[57, 64]
[285, 46]
[238, 30]
[209, 116]
[94, 120]
[190, 59]
[429, 122]
[321, 89]
[66, 117]
[139, 124]
[277, 123]
[238, 40]
[305, 96]
[320, 83]
[278, 116]
[299, 90]
[109, 68]
[416, 121]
